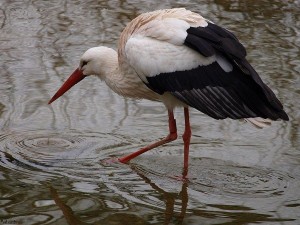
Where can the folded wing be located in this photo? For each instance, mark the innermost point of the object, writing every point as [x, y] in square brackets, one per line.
[203, 66]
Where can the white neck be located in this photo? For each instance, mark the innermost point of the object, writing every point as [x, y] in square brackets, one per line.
[122, 79]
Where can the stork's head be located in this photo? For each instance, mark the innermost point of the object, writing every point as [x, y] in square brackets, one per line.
[95, 61]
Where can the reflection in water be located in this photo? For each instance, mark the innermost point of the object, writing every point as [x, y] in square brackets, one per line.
[73, 164]
[169, 199]
[121, 217]
[53, 166]
[66, 210]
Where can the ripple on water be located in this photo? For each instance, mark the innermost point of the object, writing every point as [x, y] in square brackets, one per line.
[216, 177]
[47, 154]
[210, 180]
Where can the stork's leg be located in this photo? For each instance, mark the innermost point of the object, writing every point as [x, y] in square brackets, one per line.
[186, 139]
[171, 137]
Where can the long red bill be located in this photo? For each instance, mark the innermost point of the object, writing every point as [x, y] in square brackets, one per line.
[75, 77]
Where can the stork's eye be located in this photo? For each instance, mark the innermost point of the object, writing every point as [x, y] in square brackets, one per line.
[84, 63]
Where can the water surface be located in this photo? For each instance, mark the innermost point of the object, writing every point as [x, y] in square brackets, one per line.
[55, 160]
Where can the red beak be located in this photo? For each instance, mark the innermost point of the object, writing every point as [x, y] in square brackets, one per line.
[75, 77]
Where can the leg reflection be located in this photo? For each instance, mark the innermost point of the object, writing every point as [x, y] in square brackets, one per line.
[170, 200]
[66, 210]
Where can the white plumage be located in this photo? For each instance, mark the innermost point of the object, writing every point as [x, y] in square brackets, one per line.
[142, 55]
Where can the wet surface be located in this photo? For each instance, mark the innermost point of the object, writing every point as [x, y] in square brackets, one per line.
[55, 161]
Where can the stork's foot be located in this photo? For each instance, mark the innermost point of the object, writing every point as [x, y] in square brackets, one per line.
[110, 161]
[183, 179]
[123, 160]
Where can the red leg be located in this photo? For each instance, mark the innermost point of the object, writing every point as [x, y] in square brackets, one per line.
[171, 137]
[186, 139]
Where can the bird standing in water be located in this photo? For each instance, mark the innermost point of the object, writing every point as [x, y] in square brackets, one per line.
[183, 60]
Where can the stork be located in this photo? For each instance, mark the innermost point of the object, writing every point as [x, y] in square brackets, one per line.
[181, 59]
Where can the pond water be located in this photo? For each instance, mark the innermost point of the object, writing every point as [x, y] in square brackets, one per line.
[53, 158]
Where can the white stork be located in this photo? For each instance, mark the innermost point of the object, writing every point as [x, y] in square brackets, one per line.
[181, 59]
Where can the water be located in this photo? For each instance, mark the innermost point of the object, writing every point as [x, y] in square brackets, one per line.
[54, 160]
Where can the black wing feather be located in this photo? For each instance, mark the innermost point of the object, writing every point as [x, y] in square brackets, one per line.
[227, 44]
[237, 94]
